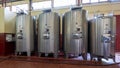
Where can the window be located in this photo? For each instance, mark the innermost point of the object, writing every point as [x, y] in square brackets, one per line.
[103, 0]
[41, 5]
[114, 0]
[19, 7]
[86, 1]
[61, 3]
[92, 1]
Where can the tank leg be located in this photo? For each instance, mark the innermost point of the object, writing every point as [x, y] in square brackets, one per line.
[16, 53]
[91, 57]
[19, 53]
[106, 58]
[114, 59]
[66, 55]
[28, 53]
[84, 56]
[39, 54]
[55, 55]
[46, 54]
[99, 59]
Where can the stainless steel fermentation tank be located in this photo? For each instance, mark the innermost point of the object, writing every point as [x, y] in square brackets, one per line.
[24, 34]
[48, 33]
[102, 31]
[75, 33]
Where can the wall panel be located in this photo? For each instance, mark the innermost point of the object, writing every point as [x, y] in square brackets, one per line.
[118, 33]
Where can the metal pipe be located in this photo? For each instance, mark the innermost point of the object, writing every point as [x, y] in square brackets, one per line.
[52, 3]
[30, 7]
[10, 5]
[3, 3]
[79, 3]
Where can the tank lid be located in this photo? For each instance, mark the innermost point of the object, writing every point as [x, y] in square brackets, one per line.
[46, 11]
[21, 13]
[76, 8]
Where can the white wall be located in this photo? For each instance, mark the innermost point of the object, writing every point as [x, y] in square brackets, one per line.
[7, 21]
[10, 19]
[2, 20]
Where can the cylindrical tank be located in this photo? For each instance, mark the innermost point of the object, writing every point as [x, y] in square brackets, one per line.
[75, 33]
[48, 33]
[24, 34]
[102, 31]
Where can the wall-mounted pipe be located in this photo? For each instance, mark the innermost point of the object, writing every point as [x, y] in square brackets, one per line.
[79, 3]
[52, 5]
[30, 7]
[3, 3]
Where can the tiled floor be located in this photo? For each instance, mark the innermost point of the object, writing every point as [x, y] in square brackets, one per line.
[24, 64]
[9, 63]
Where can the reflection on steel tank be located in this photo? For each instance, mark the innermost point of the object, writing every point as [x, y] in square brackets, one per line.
[24, 34]
[75, 33]
[48, 33]
[102, 36]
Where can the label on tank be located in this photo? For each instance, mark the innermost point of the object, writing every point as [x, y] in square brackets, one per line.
[46, 34]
